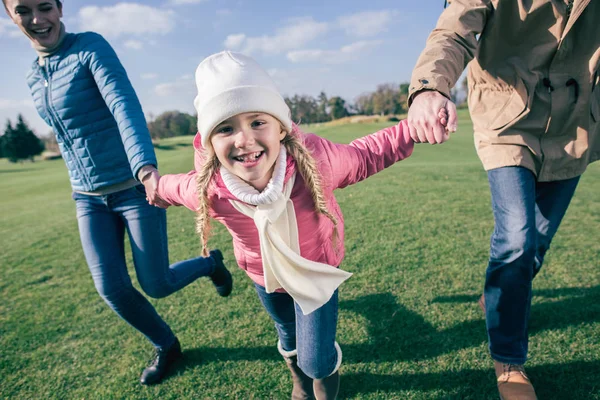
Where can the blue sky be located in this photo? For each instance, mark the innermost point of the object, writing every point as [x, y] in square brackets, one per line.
[344, 48]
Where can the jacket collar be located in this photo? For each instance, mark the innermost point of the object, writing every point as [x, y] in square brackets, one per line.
[578, 7]
[64, 48]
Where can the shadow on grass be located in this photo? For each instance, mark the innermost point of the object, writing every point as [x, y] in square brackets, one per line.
[547, 293]
[577, 380]
[576, 305]
[397, 333]
[204, 355]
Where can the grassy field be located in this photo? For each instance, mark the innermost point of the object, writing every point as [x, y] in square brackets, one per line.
[417, 243]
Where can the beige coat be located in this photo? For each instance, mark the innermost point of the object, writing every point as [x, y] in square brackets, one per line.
[534, 92]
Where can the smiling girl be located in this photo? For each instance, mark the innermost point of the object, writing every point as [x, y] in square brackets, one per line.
[272, 186]
[80, 88]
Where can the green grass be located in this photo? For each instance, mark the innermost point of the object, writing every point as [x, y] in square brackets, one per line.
[417, 243]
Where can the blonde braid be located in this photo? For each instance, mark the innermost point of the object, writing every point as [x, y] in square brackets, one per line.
[307, 166]
[203, 180]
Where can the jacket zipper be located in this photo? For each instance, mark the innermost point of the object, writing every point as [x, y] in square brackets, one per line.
[57, 122]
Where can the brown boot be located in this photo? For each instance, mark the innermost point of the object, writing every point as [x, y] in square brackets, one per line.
[513, 383]
[303, 385]
[327, 388]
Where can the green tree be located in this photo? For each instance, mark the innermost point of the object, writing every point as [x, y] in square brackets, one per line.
[364, 104]
[387, 100]
[8, 127]
[338, 107]
[20, 143]
[322, 108]
[303, 108]
[172, 123]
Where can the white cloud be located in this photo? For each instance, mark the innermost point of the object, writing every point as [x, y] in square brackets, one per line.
[297, 32]
[134, 44]
[367, 23]
[6, 104]
[234, 42]
[126, 18]
[180, 2]
[184, 85]
[344, 54]
[149, 75]
[167, 89]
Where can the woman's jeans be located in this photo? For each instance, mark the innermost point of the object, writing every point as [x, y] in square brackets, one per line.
[102, 224]
[527, 214]
[313, 335]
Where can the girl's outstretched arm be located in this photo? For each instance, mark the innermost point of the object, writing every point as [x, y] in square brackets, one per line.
[179, 190]
[351, 163]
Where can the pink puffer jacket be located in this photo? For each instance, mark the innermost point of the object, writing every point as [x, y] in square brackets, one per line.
[340, 165]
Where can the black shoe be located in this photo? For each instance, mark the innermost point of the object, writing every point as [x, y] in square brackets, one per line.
[161, 363]
[221, 277]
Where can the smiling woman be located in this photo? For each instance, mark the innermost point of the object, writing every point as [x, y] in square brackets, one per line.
[38, 20]
[112, 168]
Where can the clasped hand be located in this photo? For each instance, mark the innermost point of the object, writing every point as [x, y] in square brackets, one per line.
[431, 118]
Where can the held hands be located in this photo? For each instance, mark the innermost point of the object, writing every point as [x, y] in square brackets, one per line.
[150, 178]
[431, 117]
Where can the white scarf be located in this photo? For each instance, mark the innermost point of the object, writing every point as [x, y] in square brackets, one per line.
[311, 284]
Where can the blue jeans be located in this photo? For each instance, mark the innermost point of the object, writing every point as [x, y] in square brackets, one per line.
[313, 335]
[102, 224]
[527, 214]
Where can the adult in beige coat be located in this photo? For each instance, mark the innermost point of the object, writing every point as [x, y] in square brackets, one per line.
[534, 98]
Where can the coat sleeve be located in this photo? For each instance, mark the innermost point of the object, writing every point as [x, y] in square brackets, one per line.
[450, 46]
[356, 161]
[120, 98]
[179, 190]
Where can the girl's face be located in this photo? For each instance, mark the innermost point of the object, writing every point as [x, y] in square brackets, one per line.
[39, 20]
[248, 145]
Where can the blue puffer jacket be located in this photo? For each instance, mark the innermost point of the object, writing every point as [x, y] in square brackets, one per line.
[83, 92]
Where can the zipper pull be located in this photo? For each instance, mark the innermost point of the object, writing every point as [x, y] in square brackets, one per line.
[45, 83]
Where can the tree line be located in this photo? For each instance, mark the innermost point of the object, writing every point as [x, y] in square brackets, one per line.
[388, 99]
[19, 142]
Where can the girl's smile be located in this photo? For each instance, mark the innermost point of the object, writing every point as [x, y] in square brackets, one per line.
[249, 159]
[248, 145]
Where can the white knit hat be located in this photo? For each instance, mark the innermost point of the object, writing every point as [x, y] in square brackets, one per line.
[231, 83]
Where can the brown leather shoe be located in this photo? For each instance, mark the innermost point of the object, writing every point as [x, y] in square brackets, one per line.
[513, 383]
[481, 303]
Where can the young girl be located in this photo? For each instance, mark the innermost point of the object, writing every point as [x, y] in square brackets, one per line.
[272, 186]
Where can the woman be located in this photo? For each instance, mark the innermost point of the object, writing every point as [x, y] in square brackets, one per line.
[80, 88]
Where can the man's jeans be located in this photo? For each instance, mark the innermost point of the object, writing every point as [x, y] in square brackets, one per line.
[527, 214]
[102, 224]
[313, 335]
